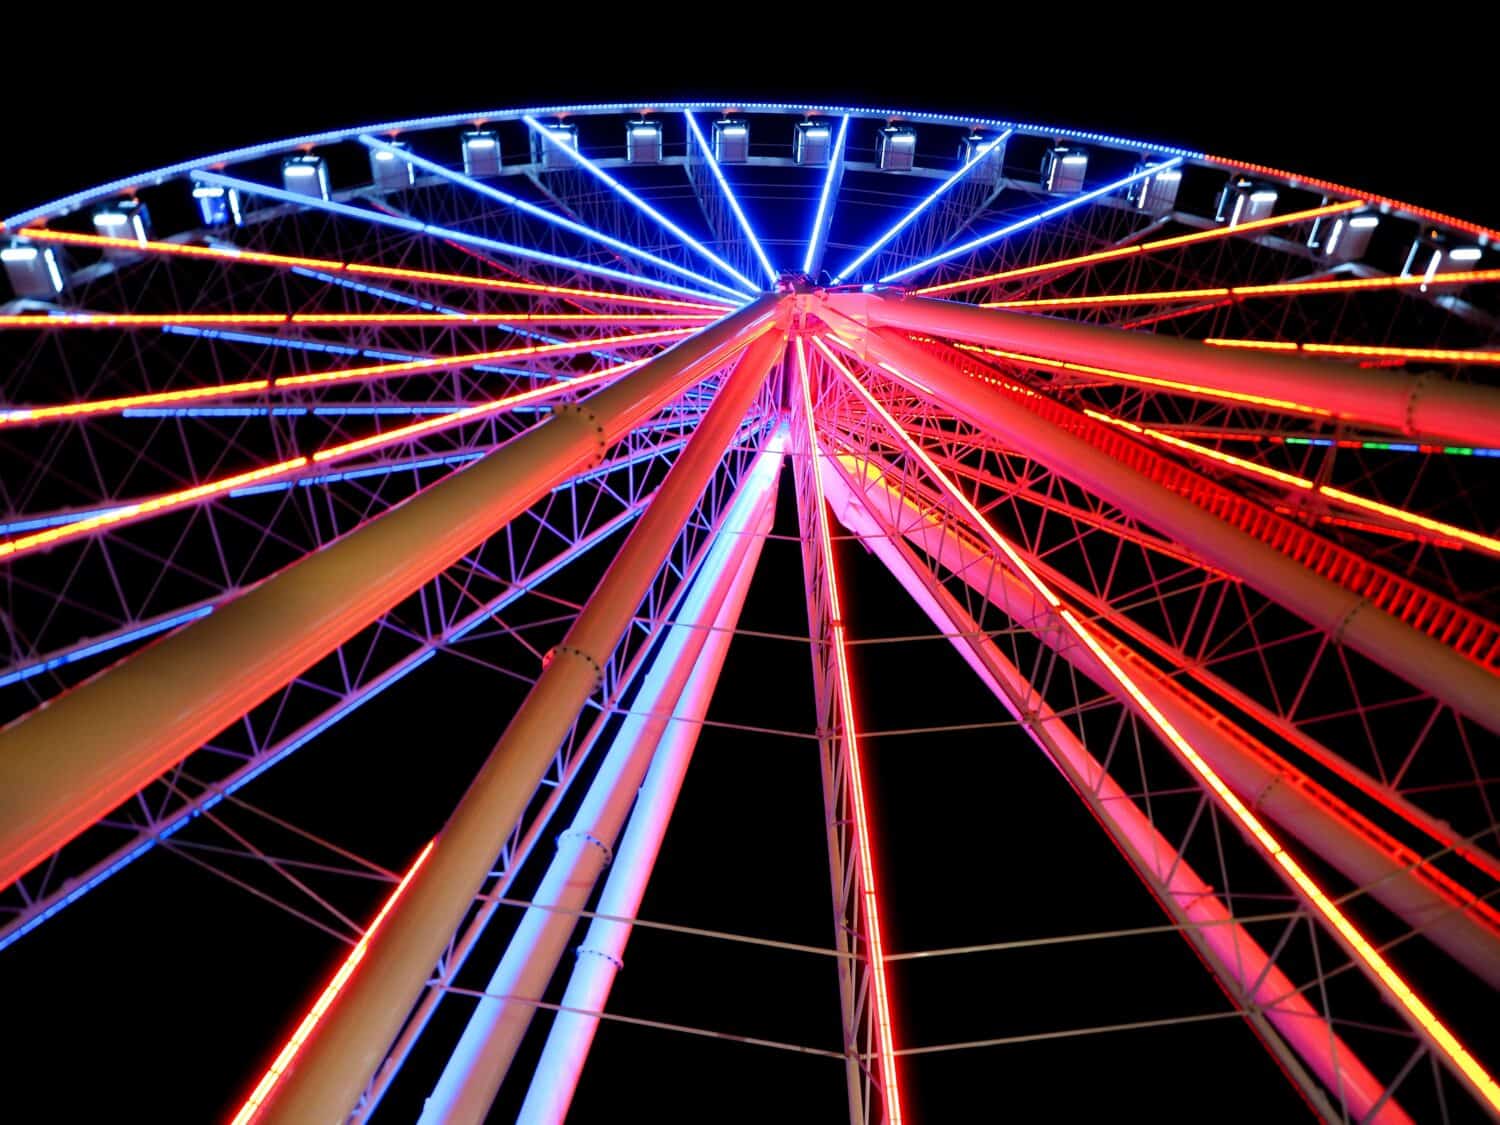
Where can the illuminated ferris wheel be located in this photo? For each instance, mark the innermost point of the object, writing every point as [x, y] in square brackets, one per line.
[1191, 462]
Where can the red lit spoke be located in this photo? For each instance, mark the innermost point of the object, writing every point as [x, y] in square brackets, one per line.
[886, 1047]
[1364, 351]
[288, 1053]
[337, 320]
[1391, 982]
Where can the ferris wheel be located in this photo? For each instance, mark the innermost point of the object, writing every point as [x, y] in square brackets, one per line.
[1189, 465]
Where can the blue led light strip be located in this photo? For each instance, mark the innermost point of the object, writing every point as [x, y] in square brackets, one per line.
[639, 203]
[817, 239]
[546, 216]
[912, 215]
[416, 226]
[1031, 220]
[104, 644]
[734, 204]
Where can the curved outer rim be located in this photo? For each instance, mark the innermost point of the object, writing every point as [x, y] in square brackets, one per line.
[70, 203]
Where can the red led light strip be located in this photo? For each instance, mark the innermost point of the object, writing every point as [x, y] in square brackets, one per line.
[886, 1047]
[32, 414]
[1141, 248]
[315, 1013]
[1395, 986]
[326, 265]
[325, 320]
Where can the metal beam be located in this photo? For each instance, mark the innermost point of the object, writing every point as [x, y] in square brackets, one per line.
[66, 765]
[1422, 406]
[1345, 614]
[479, 1063]
[340, 1057]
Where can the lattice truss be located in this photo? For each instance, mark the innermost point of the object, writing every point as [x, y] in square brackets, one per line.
[1206, 505]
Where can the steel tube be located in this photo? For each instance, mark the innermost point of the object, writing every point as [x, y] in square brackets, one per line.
[340, 1056]
[1349, 618]
[1275, 788]
[1425, 406]
[478, 1064]
[1228, 949]
[65, 765]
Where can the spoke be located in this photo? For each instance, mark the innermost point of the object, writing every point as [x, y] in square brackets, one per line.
[337, 320]
[1364, 351]
[233, 254]
[416, 226]
[817, 238]
[706, 150]
[1030, 220]
[906, 220]
[1139, 248]
[638, 203]
[546, 216]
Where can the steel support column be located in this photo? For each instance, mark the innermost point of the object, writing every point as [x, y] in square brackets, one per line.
[338, 1059]
[67, 764]
[1279, 1013]
[1351, 619]
[1425, 406]
[480, 1061]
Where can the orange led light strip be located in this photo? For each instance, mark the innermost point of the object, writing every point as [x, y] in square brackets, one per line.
[283, 261]
[1152, 381]
[1396, 988]
[325, 1000]
[33, 414]
[1453, 534]
[1142, 248]
[1240, 292]
[887, 1046]
[130, 512]
[323, 320]
[1367, 351]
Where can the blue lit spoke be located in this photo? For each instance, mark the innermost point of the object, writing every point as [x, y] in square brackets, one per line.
[911, 215]
[416, 226]
[546, 216]
[639, 203]
[1032, 220]
[734, 204]
[817, 240]
[104, 644]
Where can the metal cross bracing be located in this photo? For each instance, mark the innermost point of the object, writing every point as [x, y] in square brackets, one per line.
[1248, 622]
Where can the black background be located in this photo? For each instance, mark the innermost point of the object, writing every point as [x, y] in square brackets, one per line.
[127, 998]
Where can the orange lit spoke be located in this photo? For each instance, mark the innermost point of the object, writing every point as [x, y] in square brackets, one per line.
[1364, 351]
[336, 320]
[1141, 248]
[361, 269]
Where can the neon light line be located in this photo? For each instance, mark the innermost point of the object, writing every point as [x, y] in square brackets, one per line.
[1431, 355]
[887, 1046]
[346, 970]
[912, 215]
[734, 204]
[1151, 381]
[34, 414]
[817, 239]
[1448, 531]
[1142, 248]
[327, 320]
[1032, 220]
[1244, 292]
[542, 213]
[104, 644]
[640, 204]
[1391, 982]
[395, 273]
[416, 226]
[13, 547]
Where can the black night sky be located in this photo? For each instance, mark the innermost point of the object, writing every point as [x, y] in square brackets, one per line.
[148, 1003]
